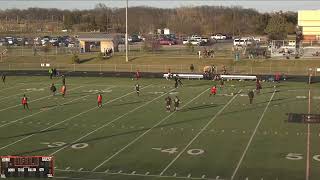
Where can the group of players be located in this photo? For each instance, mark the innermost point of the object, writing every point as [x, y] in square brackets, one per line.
[176, 101]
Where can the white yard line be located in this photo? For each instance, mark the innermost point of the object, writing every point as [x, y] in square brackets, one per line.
[199, 133]
[308, 141]
[110, 122]
[25, 117]
[11, 87]
[139, 137]
[251, 138]
[36, 99]
[68, 119]
[138, 175]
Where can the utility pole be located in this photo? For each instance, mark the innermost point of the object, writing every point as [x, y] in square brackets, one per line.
[127, 60]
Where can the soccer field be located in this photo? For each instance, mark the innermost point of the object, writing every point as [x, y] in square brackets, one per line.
[133, 137]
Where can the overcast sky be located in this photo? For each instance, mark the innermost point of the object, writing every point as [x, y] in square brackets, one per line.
[260, 5]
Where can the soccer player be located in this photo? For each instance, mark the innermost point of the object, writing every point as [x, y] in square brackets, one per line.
[251, 96]
[63, 80]
[168, 103]
[24, 102]
[176, 103]
[138, 76]
[99, 100]
[277, 77]
[53, 89]
[63, 90]
[137, 89]
[221, 83]
[3, 77]
[213, 90]
[179, 80]
[258, 86]
[175, 81]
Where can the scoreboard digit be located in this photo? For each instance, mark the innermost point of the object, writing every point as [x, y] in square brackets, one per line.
[26, 166]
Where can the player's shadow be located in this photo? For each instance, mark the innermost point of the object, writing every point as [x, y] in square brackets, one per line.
[145, 129]
[199, 107]
[32, 133]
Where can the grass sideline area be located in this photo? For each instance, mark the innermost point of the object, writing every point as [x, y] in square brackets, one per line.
[161, 63]
[132, 137]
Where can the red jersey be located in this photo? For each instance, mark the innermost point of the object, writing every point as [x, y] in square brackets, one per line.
[24, 100]
[213, 90]
[137, 74]
[99, 98]
[63, 89]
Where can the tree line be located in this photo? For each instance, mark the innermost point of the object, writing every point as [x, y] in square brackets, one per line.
[204, 20]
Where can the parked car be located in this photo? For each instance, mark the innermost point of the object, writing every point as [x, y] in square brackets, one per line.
[219, 37]
[164, 41]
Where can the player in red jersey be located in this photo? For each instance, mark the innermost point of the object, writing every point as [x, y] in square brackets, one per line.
[99, 100]
[213, 90]
[258, 86]
[138, 76]
[24, 102]
[63, 90]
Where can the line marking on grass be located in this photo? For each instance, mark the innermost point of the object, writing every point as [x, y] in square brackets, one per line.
[147, 174]
[33, 114]
[199, 133]
[110, 122]
[11, 87]
[36, 99]
[68, 119]
[252, 136]
[308, 140]
[64, 177]
[143, 134]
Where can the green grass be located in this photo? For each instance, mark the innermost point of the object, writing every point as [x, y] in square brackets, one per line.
[121, 135]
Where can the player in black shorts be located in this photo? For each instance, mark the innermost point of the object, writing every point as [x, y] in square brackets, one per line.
[63, 80]
[3, 77]
[53, 89]
[137, 86]
[168, 103]
[176, 103]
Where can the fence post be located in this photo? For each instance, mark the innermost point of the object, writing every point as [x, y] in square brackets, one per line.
[234, 69]
[288, 70]
[74, 67]
[180, 68]
[251, 70]
[115, 68]
[100, 68]
[131, 68]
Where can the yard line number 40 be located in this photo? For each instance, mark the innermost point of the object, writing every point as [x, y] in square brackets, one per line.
[193, 152]
[296, 156]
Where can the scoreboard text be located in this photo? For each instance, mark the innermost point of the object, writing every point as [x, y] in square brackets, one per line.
[26, 166]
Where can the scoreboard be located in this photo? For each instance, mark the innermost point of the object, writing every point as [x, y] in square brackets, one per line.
[26, 166]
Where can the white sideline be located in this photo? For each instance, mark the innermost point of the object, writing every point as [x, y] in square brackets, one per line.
[108, 123]
[199, 133]
[136, 139]
[83, 112]
[252, 136]
[139, 175]
[17, 120]
[36, 99]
